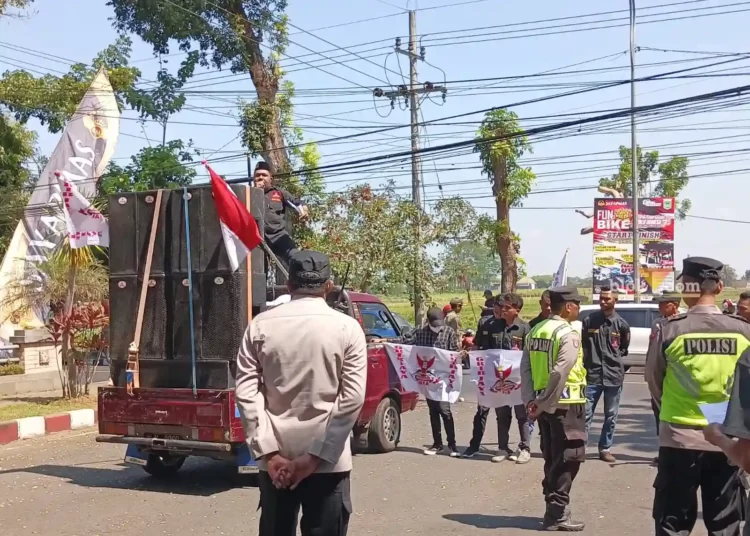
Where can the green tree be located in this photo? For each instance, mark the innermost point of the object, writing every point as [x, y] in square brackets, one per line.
[17, 148]
[665, 179]
[469, 260]
[729, 275]
[6, 5]
[229, 33]
[372, 233]
[152, 168]
[500, 144]
[543, 281]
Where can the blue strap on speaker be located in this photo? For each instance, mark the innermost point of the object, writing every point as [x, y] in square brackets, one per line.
[185, 197]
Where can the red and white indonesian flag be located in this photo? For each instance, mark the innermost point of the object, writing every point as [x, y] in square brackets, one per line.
[86, 225]
[238, 227]
[433, 373]
[497, 375]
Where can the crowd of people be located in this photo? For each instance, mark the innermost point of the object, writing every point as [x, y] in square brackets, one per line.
[298, 413]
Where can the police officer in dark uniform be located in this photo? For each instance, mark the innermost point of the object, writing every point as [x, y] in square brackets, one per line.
[496, 333]
[691, 362]
[277, 203]
[553, 384]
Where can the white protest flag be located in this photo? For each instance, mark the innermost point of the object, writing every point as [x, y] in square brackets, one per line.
[561, 277]
[431, 372]
[497, 375]
[86, 225]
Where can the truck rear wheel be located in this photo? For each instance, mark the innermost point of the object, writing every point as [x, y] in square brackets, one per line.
[163, 465]
[385, 428]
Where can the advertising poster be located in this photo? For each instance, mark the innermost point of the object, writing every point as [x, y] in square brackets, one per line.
[613, 245]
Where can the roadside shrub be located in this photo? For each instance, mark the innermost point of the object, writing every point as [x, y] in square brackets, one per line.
[11, 369]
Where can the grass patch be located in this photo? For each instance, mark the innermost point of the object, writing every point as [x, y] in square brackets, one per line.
[11, 409]
[401, 305]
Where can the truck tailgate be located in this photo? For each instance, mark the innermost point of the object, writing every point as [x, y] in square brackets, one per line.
[165, 407]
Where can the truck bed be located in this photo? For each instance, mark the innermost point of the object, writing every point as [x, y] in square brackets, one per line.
[209, 415]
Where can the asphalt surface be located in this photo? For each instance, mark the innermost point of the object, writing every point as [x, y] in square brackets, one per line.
[69, 485]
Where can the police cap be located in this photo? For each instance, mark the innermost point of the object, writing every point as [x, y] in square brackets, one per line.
[668, 297]
[702, 269]
[309, 269]
[565, 294]
[456, 301]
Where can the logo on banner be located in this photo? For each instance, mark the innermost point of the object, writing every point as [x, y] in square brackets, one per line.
[503, 384]
[667, 203]
[425, 375]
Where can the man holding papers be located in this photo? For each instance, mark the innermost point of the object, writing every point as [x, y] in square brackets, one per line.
[691, 364]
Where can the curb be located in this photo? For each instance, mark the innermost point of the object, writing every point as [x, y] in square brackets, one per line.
[49, 424]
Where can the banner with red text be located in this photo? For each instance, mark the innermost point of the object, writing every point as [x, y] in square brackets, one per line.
[497, 375]
[613, 245]
[431, 372]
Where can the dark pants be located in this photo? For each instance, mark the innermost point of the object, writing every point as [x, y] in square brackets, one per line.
[504, 418]
[282, 246]
[681, 473]
[438, 411]
[611, 409]
[323, 497]
[564, 450]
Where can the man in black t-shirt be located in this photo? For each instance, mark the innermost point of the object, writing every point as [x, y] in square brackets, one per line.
[545, 307]
[506, 331]
[277, 201]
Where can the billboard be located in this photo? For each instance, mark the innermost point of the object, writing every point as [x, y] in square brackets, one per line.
[613, 244]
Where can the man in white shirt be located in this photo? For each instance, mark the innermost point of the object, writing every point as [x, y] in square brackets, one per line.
[301, 375]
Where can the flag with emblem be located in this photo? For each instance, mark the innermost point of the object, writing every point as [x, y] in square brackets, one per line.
[238, 227]
[86, 225]
[497, 376]
[432, 372]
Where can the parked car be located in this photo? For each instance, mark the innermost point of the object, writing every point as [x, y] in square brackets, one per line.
[640, 317]
[403, 324]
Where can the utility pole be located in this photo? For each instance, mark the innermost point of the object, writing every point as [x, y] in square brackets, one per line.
[410, 96]
[634, 164]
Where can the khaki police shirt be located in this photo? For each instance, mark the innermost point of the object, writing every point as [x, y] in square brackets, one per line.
[699, 318]
[301, 376]
[567, 356]
[453, 320]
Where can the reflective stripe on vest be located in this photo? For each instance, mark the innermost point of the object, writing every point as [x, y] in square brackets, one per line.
[700, 369]
[544, 344]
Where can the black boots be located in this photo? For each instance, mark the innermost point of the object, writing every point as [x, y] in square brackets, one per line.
[564, 523]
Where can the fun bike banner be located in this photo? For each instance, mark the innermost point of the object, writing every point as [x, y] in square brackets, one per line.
[431, 372]
[497, 375]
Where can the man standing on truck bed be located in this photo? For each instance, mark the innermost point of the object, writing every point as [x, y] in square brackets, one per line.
[301, 375]
[277, 201]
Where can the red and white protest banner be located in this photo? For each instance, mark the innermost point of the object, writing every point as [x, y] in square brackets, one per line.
[86, 225]
[431, 372]
[497, 375]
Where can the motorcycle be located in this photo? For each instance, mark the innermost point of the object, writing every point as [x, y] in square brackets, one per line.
[467, 343]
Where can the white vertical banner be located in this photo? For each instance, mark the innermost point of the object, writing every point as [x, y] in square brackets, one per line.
[561, 276]
[497, 375]
[431, 372]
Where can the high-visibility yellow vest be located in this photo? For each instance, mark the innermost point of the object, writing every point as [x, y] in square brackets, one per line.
[700, 369]
[544, 343]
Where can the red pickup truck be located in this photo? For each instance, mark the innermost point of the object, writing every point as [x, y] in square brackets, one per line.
[162, 427]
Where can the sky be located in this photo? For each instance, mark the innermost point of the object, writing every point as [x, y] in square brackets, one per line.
[546, 223]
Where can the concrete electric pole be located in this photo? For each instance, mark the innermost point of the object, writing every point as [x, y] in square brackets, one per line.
[634, 165]
[410, 96]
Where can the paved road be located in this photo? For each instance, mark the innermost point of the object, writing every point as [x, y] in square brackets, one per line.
[68, 485]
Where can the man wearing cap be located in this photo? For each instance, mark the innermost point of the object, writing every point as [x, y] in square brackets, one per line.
[453, 318]
[301, 375]
[669, 306]
[553, 385]
[435, 334]
[505, 330]
[275, 216]
[691, 363]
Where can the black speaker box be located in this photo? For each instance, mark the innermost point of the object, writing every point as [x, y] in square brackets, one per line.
[219, 297]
